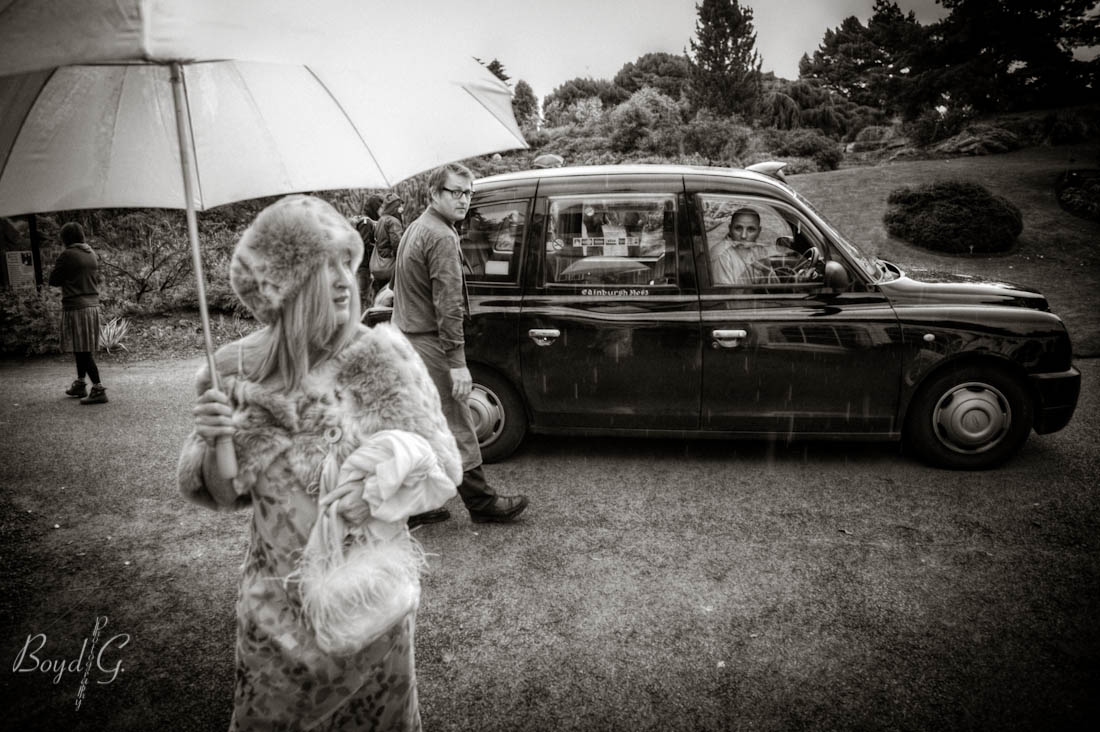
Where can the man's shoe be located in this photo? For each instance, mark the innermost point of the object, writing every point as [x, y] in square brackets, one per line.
[78, 389]
[98, 395]
[429, 517]
[503, 510]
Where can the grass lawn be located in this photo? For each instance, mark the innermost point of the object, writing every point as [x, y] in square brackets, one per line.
[654, 585]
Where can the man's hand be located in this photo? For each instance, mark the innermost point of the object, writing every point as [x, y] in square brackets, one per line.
[461, 382]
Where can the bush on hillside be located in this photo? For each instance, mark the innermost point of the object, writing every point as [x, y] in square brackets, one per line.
[933, 125]
[956, 217]
[536, 138]
[1078, 192]
[874, 137]
[804, 143]
[1070, 126]
[979, 139]
[629, 125]
[720, 140]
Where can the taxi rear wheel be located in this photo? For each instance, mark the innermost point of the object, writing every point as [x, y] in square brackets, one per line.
[499, 418]
[971, 418]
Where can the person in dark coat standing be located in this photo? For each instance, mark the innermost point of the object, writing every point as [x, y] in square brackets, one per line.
[365, 225]
[387, 235]
[76, 272]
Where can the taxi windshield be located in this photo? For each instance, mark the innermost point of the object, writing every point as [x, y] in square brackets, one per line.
[869, 265]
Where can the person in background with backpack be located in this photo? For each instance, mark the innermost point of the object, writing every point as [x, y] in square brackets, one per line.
[387, 235]
[365, 224]
[77, 274]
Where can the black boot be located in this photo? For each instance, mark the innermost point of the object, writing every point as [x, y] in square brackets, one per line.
[483, 502]
[429, 517]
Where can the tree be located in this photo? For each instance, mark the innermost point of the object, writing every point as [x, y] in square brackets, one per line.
[725, 71]
[556, 103]
[866, 64]
[525, 106]
[665, 72]
[498, 70]
[1002, 55]
[780, 111]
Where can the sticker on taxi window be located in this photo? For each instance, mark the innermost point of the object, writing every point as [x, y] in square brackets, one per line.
[628, 292]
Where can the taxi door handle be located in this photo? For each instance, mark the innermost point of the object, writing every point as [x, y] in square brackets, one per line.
[728, 338]
[544, 336]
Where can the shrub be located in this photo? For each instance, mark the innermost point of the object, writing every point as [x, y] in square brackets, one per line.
[979, 139]
[716, 139]
[629, 125]
[536, 138]
[804, 143]
[873, 137]
[664, 141]
[1078, 192]
[956, 217]
[30, 322]
[933, 125]
[1066, 127]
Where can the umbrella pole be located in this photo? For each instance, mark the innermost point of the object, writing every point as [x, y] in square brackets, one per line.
[226, 456]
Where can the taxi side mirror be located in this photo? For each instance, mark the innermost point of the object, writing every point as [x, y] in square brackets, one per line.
[836, 276]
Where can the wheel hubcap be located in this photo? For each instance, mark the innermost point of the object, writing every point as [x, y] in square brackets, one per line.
[972, 417]
[488, 414]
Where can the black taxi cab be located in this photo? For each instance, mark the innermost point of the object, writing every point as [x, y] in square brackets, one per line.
[600, 306]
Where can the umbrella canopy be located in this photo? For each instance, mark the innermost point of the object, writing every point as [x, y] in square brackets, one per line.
[87, 117]
[195, 103]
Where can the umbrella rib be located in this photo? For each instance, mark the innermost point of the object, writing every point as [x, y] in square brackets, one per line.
[46, 76]
[200, 200]
[389, 183]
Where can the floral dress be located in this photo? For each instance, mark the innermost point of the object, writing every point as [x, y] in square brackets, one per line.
[284, 681]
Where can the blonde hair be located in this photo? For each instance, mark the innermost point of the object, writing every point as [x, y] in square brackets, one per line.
[304, 334]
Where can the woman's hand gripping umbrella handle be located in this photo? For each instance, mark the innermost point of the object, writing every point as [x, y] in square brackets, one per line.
[214, 424]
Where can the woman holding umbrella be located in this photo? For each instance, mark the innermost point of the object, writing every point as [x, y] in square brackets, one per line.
[310, 392]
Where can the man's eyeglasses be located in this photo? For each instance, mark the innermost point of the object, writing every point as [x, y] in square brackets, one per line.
[459, 193]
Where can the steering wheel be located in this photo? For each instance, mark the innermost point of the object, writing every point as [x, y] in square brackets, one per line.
[786, 268]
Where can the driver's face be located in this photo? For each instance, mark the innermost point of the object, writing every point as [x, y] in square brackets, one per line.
[744, 227]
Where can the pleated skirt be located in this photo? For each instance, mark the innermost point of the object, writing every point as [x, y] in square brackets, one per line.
[80, 330]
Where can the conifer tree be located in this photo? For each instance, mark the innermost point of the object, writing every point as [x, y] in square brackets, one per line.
[725, 70]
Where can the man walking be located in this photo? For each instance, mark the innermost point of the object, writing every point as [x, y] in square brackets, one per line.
[430, 307]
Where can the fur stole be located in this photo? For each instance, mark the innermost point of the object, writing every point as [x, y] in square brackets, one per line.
[377, 382]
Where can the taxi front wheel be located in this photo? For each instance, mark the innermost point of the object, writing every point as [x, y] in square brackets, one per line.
[500, 420]
[971, 418]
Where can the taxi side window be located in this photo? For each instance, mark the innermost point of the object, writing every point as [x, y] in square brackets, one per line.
[491, 241]
[612, 240]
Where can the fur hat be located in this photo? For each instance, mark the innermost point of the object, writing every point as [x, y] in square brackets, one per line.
[286, 243]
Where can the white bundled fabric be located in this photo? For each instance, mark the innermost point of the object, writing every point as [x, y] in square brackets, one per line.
[353, 594]
[400, 475]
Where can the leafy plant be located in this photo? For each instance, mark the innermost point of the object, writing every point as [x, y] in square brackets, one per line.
[112, 332]
[957, 217]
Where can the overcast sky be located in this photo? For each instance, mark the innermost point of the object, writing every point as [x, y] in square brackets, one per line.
[549, 42]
